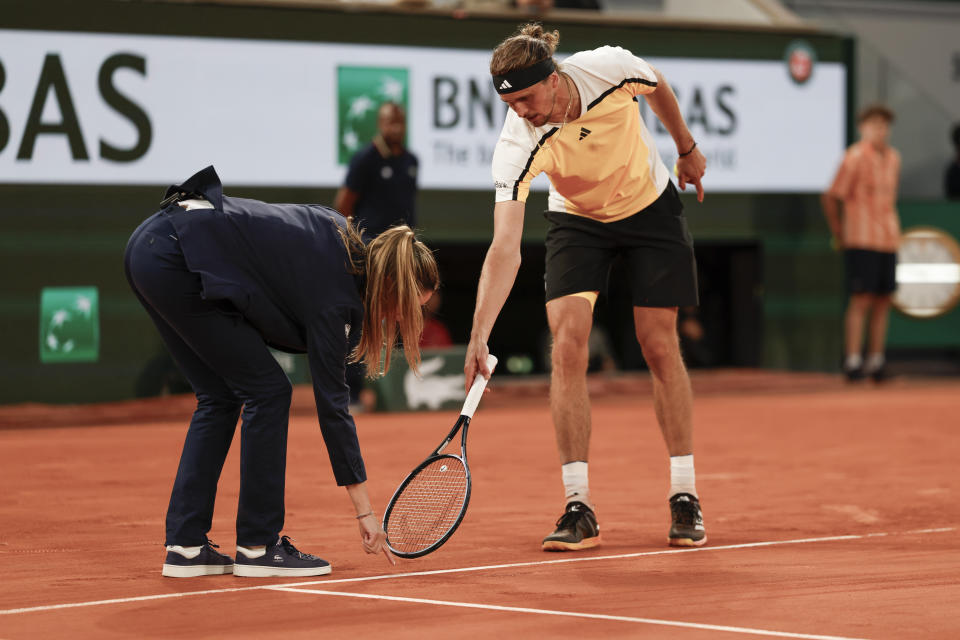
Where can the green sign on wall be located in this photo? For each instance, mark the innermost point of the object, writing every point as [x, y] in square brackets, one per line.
[69, 324]
[360, 92]
[439, 385]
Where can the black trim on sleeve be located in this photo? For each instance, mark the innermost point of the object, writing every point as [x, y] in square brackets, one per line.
[516, 185]
[649, 83]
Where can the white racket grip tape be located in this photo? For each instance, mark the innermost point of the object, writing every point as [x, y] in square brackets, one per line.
[476, 391]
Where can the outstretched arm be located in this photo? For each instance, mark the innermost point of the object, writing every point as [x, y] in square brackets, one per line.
[691, 166]
[372, 537]
[496, 280]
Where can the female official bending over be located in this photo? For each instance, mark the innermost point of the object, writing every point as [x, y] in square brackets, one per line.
[224, 280]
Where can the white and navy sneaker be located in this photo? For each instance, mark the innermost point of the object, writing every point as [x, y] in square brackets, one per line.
[686, 528]
[190, 562]
[278, 560]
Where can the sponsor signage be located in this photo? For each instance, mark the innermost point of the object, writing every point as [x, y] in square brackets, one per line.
[88, 108]
[69, 324]
[439, 384]
[360, 92]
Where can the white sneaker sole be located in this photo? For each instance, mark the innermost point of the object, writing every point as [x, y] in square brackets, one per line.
[177, 571]
[253, 571]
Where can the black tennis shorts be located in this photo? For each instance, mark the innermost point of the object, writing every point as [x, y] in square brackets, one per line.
[870, 271]
[655, 244]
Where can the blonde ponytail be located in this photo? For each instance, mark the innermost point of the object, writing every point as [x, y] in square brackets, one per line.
[399, 269]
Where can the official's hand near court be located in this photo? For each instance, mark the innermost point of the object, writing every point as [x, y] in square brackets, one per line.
[690, 168]
[372, 537]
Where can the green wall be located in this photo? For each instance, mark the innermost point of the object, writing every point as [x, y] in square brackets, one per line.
[75, 236]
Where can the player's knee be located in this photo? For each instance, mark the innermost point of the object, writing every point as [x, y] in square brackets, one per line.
[570, 352]
[660, 352]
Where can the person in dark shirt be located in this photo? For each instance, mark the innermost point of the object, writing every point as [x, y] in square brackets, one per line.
[224, 279]
[951, 178]
[380, 190]
[381, 184]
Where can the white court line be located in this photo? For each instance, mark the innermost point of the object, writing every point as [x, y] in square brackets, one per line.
[513, 565]
[571, 614]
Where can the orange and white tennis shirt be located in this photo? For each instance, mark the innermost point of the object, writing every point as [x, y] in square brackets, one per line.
[867, 183]
[603, 164]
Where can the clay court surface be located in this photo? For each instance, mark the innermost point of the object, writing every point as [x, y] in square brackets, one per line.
[832, 512]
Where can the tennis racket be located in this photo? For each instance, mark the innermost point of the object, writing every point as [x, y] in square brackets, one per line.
[430, 503]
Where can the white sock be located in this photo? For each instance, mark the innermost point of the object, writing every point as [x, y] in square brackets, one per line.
[187, 552]
[253, 552]
[853, 361]
[874, 362]
[575, 484]
[683, 478]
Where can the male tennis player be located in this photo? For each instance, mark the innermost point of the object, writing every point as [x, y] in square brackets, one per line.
[224, 279]
[610, 195]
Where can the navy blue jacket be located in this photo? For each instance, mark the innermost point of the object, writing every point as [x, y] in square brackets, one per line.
[283, 267]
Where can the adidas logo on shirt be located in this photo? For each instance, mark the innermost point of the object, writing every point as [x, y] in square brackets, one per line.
[505, 85]
[584, 132]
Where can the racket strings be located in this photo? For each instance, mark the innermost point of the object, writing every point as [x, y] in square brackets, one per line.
[429, 506]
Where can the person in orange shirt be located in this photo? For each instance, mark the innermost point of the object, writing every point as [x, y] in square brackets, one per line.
[860, 207]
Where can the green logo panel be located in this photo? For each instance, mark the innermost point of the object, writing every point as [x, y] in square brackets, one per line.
[360, 92]
[69, 324]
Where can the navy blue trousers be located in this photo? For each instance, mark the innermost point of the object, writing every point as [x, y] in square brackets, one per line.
[233, 373]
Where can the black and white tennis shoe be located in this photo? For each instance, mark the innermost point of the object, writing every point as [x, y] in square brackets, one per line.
[576, 529]
[686, 528]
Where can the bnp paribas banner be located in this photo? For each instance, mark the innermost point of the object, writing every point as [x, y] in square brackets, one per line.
[120, 109]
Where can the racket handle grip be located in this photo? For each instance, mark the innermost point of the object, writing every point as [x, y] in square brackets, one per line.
[476, 391]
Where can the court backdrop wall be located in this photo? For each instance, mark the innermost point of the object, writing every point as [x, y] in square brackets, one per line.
[312, 104]
[102, 107]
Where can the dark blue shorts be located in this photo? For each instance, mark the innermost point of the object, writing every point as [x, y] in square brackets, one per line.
[870, 271]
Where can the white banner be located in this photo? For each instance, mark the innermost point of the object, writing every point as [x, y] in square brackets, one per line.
[116, 109]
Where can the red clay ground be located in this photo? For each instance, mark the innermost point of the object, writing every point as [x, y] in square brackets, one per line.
[854, 487]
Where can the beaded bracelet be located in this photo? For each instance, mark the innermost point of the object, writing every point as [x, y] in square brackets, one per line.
[691, 150]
